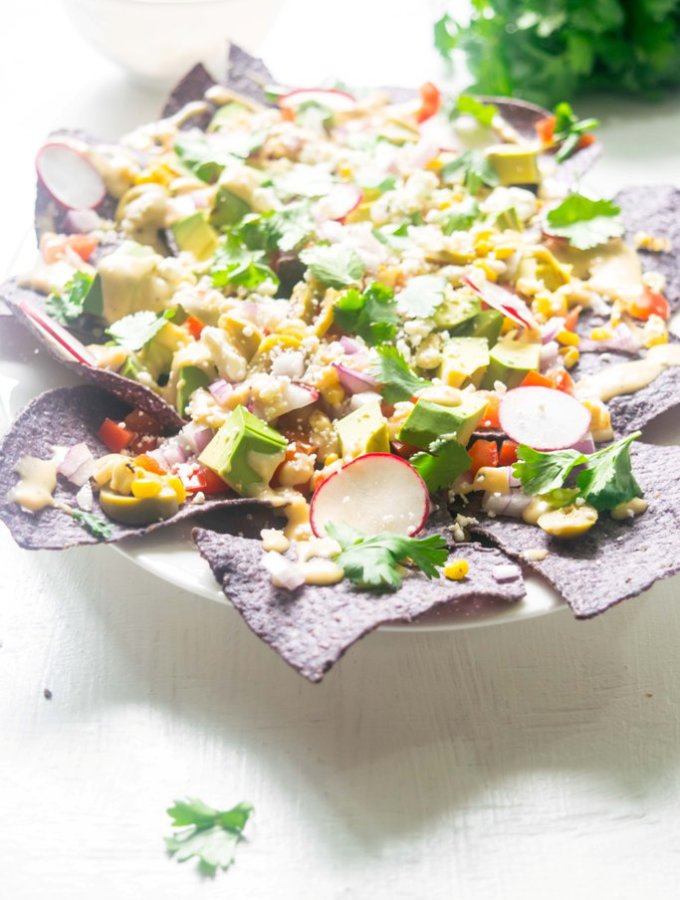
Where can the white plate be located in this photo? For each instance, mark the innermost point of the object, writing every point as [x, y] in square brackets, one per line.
[170, 554]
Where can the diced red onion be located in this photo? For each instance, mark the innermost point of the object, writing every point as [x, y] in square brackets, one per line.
[290, 363]
[85, 497]
[78, 464]
[354, 382]
[197, 438]
[285, 573]
[548, 355]
[221, 390]
[349, 345]
[512, 504]
[81, 221]
[585, 445]
[551, 329]
[506, 572]
[297, 396]
[170, 454]
[358, 400]
[622, 340]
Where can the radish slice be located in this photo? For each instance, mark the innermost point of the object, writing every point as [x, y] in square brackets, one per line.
[543, 418]
[67, 344]
[337, 101]
[376, 492]
[338, 203]
[69, 177]
[504, 301]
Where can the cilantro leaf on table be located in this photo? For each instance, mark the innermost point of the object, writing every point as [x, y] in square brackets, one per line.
[208, 834]
[441, 464]
[569, 130]
[608, 479]
[541, 472]
[584, 222]
[472, 169]
[335, 266]
[136, 330]
[236, 266]
[469, 105]
[398, 381]
[97, 526]
[421, 296]
[371, 561]
[82, 294]
[371, 314]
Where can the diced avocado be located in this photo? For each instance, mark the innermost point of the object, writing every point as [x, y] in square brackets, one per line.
[190, 379]
[245, 452]
[363, 431]
[509, 219]
[94, 300]
[541, 265]
[245, 336]
[510, 361]
[139, 510]
[486, 324]
[464, 361]
[514, 164]
[429, 421]
[227, 115]
[156, 356]
[131, 281]
[194, 234]
[229, 208]
[456, 309]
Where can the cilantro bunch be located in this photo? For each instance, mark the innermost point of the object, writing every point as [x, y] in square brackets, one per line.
[548, 51]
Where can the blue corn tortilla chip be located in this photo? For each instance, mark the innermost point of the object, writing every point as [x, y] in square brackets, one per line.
[655, 210]
[64, 417]
[131, 392]
[190, 89]
[247, 75]
[615, 560]
[314, 626]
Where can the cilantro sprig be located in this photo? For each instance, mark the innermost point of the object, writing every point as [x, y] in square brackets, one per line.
[569, 130]
[208, 834]
[605, 481]
[372, 561]
[584, 222]
[234, 265]
[397, 378]
[441, 463]
[335, 266]
[96, 526]
[136, 330]
[472, 169]
[371, 314]
[484, 113]
[82, 294]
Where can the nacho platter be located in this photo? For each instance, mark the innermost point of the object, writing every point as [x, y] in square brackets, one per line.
[378, 301]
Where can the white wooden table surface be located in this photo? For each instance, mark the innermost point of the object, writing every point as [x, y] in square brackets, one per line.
[532, 760]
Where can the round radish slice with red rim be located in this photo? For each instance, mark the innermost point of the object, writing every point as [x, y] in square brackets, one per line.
[69, 176]
[338, 203]
[336, 101]
[543, 418]
[375, 493]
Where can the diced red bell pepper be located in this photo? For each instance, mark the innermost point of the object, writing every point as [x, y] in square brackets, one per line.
[535, 379]
[196, 477]
[571, 319]
[586, 140]
[490, 418]
[545, 129]
[483, 453]
[563, 381]
[141, 422]
[114, 436]
[194, 326]
[650, 304]
[430, 102]
[53, 246]
[507, 455]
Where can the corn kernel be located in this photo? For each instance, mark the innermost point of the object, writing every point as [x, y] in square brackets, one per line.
[570, 356]
[333, 395]
[434, 165]
[568, 338]
[177, 485]
[600, 334]
[325, 320]
[345, 171]
[457, 569]
[488, 269]
[145, 485]
[504, 251]
[330, 459]
[278, 340]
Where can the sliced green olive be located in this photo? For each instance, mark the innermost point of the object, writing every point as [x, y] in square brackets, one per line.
[139, 510]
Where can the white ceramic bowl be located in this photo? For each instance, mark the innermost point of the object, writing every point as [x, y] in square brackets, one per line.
[157, 41]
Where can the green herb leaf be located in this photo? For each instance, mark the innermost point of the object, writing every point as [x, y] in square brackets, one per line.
[472, 169]
[372, 314]
[569, 129]
[461, 217]
[210, 835]
[444, 36]
[421, 296]
[334, 265]
[584, 222]
[276, 230]
[398, 380]
[236, 266]
[543, 472]
[371, 561]
[441, 464]
[469, 105]
[608, 479]
[97, 526]
[207, 157]
[136, 330]
[82, 294]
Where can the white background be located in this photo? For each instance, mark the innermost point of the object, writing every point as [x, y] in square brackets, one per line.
[531, 760]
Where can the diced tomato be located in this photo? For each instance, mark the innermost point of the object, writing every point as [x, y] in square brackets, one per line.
[563, 381]
[194, 326]
[507, 455]
[196, 477]
[142, 422]
[83, 244]
[287, 113]
[586, 140]
[490, 418]
[403, 450]
[114, 436]
[545, 129]
[430, 102]
[54, 246]
[483, 453]
[571, 319]
[144, 461]
[535, 379]
[650, 304]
